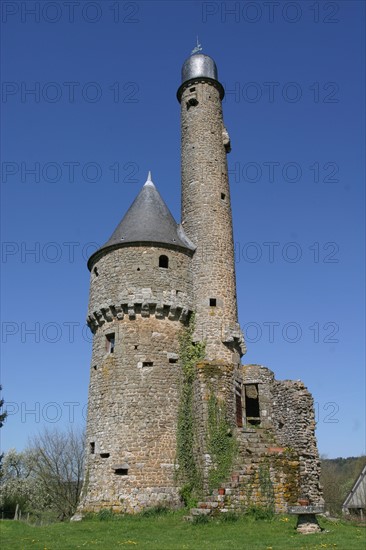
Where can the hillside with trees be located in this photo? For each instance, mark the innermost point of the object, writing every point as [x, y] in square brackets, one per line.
[337, 477]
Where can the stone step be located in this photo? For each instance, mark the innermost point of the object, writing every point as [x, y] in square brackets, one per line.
[208, 504]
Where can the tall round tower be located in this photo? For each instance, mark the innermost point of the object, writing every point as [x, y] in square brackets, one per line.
[140, 296]
[206, 209]
[149, 411]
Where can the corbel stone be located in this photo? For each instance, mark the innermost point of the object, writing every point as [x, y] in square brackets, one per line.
[172, 312]
[99, 317]
[184, 314]
[159, 314]
[107, 314]
[92, 324]
[131, 311]
[145, 309]
[119, 311]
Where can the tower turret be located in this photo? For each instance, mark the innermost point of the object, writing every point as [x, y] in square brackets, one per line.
[140, 298]
[206, 208]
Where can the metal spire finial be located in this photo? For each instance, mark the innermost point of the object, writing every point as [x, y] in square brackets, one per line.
[197, 49]
[149, 180]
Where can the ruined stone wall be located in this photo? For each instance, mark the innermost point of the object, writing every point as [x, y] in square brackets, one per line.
[294, 426]
[207, 221]
[255, 374]
[287, 424]
[134, 391]
[212, 378]
[277, 459]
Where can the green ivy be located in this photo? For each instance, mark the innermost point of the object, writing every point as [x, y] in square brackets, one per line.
[189, 471]
[222, 446]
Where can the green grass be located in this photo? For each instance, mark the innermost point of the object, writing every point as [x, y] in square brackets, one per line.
[168, 531]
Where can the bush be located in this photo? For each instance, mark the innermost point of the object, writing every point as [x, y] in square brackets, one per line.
[186, 493]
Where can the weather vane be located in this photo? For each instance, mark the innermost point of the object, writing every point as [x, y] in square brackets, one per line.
[197, 49]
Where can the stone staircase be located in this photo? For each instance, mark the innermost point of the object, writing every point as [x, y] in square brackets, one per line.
[256, 448]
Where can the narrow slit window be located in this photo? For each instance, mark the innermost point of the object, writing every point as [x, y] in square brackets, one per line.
[121, 471]
[110, 342]
[164, 261]
[147, 363]
[212, 302]
[96, 272]
[173, 360]
[223, 196]
[104, 455]
[92, 447]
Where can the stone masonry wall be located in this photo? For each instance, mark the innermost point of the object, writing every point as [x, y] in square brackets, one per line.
[287, 425]
[134, 391]
[277, 460]
[132, 415]
[131, 276]
[213, 378]
[207, 221]
[294, 425]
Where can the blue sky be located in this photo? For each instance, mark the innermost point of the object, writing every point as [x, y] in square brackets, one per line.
[104, 112]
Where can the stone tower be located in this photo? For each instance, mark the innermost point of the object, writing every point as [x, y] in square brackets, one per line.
[206, 208]
[146, 282]
[140, 296]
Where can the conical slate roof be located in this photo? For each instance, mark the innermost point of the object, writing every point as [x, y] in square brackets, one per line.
[148, 220]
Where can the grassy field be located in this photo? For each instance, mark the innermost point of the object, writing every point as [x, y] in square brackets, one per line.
[169, 532]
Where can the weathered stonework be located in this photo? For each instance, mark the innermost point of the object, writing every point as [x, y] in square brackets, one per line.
[277, 459]
[146, 282]
[207, 221]
[134, 391]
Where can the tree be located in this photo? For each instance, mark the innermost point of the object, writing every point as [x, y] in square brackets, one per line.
[3, 415]
[46, 478]
[19, 486]
[58, 459]
[337, 477]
